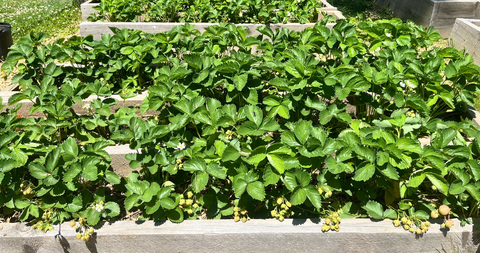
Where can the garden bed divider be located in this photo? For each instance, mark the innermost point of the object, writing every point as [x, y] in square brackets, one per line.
[256, 235]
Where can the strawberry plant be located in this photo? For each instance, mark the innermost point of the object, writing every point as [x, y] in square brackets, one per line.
[306, 123]
[210, 11]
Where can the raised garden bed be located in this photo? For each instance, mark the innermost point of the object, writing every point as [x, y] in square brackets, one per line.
[244, 135]
[97, 29]
[293, 235]
[440, 14]
[465, 35]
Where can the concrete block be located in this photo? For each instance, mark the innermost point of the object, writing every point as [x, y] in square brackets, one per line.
[465, 35]
[440, 14]
[292, 235]
[135, 102]
[87, 8]
[97, 29]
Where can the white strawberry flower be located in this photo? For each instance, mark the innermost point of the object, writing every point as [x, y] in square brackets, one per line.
[410, 84]
[99, 208]
[402, 84]
[180, 146]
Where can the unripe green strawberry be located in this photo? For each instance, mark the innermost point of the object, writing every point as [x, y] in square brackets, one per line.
[83, 238]
[91, 230]
[443, 225]
[404, 220]
[434, 214]
[288, 203]
[283, 206]
[190, 211]
[236, 219]
[412, 230]
[325, 228]
[244, 219]
[236, 213]
[335, 215]
[79, 236]
[189, 202]
[182, 202]
[273, 213]
[338, 219]
[189, 194]
[283, 212]
[236, 209]
[336, 226]
[87, 237]
[427, 223]
[72, 223]
[320, 190]
[328, 221]
[195, 206]
[444, 210]
[243, 211]
[279, 201]
[434, 188]
[406, 227]
[449, 223]
[281, 218]
[396, 223]
[337, 229]
[418, 231]
[328, 194]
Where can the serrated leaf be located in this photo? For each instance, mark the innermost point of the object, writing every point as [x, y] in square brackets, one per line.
[175, 215]
[456, 187]
[214, 170]
[167, 203]
[313, 196]
[290, 181]
[374, 209]
[37, 170]
[130, 201]
[112, 209]
[475, 168]
[391, 214]
[364, 173]
[239, 187]
[302, 131]
[390, 172]
[474, 191]
[283, 112]
[240, 81]
[196, 164]
[298, 196]
[112, 177]
[199, 181]
[303, 177]
[93, 217]
[276, 162]
[230, 154]
[256, 190]
[416, 180]
[270, 177]
[439, 182]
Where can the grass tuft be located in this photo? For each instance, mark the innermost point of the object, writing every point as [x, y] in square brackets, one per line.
[53, 17]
